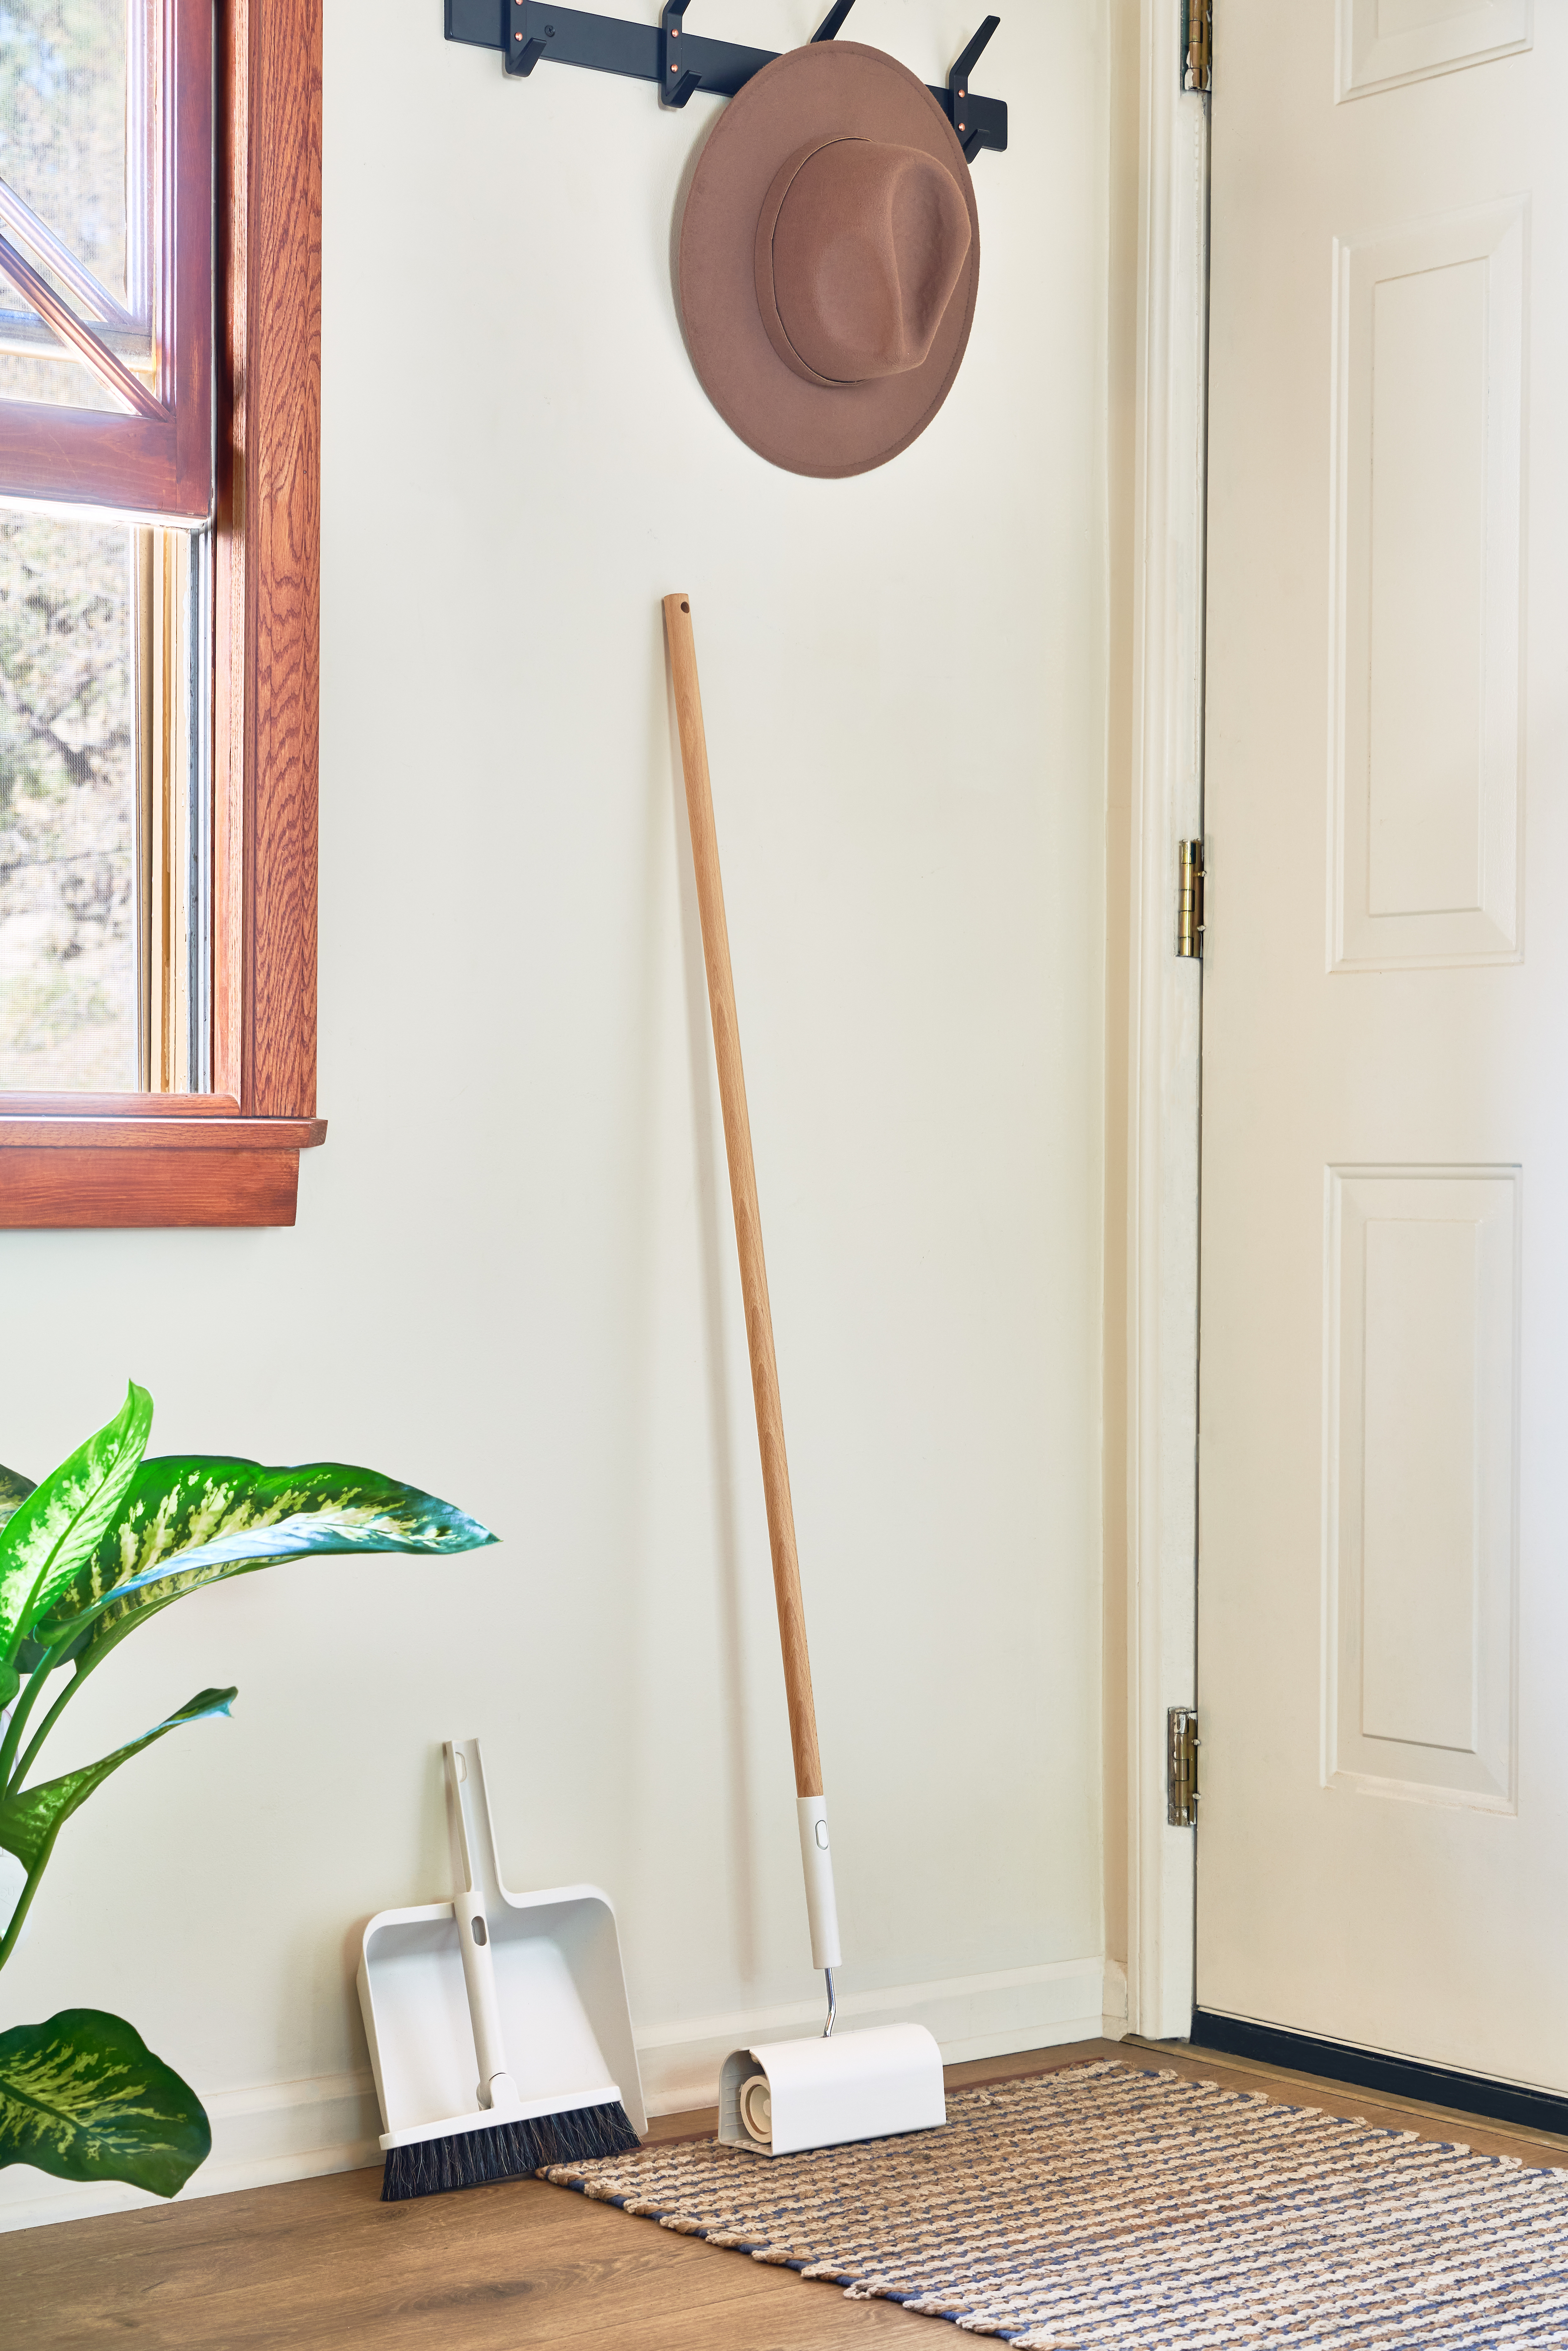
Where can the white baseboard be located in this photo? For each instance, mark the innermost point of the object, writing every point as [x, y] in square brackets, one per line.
[301, 2130]
[969, 2016]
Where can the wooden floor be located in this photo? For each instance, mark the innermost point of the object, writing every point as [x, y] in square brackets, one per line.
[324, 2265]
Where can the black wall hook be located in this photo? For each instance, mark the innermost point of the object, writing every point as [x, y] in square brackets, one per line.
[828, 29]
[958, 89]
[678, 62]
[675, 83]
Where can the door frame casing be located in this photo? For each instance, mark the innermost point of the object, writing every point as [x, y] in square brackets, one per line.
[1164, 1012]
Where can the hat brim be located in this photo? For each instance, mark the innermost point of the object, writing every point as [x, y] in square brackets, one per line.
[827, 90]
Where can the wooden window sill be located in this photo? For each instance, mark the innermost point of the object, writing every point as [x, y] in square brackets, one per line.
[170, 1164]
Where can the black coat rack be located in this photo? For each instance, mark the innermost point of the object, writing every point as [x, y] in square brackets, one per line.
[525, 31]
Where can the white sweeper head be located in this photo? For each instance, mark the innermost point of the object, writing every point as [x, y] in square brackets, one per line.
[790, 2095]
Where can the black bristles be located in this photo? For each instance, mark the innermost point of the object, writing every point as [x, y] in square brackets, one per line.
[505, 2151]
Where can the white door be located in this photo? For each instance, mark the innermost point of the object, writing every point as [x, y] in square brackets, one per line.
[1383, 1848]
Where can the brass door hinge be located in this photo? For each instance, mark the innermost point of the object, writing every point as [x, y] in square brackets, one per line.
[1181, 1772]
[1199, 19]
[1189, 900]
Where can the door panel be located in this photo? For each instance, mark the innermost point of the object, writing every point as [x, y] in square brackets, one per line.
[1421, 1303]
[1426, 426]
[1383, 42]
[1383, 1391]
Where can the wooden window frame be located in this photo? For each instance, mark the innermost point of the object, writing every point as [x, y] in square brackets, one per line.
[157, 462]
[232, 1156]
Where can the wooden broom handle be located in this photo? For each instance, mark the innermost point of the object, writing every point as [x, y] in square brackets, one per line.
[743, 1193]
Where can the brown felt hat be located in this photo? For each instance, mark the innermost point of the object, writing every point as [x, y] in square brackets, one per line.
[830, 258]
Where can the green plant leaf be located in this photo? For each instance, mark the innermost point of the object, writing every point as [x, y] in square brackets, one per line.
[14, 1492]
[189, 1521]
[31, 1821]
[84, 2098]
[60, 1525]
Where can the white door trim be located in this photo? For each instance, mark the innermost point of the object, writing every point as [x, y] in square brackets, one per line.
[1162, 1196]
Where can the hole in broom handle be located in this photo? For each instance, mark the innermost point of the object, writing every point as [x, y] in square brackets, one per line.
[743, 1195]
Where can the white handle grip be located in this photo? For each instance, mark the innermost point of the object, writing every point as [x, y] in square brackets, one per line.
[496, 2087]
[817, 1860]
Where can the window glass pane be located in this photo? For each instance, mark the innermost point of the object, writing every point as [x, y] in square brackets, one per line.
[69, 955]
[75, 187]
[62, 124]
[59, 384]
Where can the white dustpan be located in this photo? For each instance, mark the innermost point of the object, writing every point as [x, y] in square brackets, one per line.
[561, 1987]
[786, 2094]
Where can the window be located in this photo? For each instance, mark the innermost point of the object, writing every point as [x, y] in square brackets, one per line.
[106, 249]
[70, 1011]
[158, 689]
[105, 807]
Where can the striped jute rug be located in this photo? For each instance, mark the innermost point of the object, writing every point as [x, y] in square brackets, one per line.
[1106, 2205]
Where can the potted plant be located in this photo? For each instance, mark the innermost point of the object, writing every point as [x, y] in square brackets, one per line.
[87, 1556]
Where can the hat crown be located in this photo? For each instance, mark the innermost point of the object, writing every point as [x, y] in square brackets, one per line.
[859, 247]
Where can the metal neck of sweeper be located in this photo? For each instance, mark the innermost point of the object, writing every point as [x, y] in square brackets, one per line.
[833, 2004]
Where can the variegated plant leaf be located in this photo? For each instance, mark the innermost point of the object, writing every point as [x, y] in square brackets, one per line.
[14, 1492]
[30, 1822]
[193, 1519]
[84, 2098]
[60, 1524]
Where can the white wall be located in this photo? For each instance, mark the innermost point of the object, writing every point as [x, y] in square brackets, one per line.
[512, 1278]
